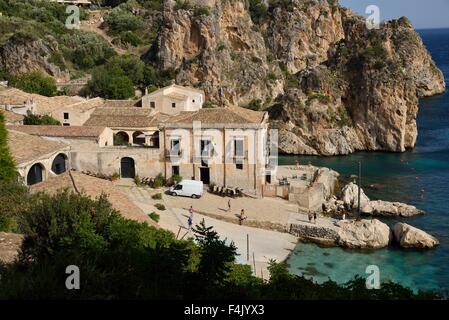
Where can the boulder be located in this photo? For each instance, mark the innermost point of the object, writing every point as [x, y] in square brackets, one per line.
[390, 209]
[411, 237]
[369, 234]
[350, 196]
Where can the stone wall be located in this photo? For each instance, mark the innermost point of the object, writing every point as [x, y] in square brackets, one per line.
[316, 234]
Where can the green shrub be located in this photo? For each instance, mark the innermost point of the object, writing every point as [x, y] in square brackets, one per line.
[160, 206]
[85, 49]
[159, 181]
[322, 98]
[258, 10]
[157, 196]
[131, 38]
[154, 216]
[138, 181]
[255, 105]
[120, 20]
[36, 82]
[176, 179]
[40, 120]
[116, 175]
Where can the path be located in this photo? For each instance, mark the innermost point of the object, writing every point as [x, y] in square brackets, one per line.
[93, 24]
[265, 244]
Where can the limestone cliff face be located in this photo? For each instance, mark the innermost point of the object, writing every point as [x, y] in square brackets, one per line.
[331, 85]
[24, 55]
[222, 51]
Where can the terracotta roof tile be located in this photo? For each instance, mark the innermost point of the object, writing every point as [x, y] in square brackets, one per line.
[60, 131]
[125, 117]
[12, 117]
[230, 115]
[25, 147]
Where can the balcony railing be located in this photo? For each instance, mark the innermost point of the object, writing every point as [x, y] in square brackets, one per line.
[173, 153]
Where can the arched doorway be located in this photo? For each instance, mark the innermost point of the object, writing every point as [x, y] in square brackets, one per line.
[139, 138]
[35, 174]
[121, 139]
[127, 168]
[59, 164]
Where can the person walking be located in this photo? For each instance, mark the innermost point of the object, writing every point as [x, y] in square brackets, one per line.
[314, 217]
[190, 219]
[229, 205]
[242, 217]
[310, 217]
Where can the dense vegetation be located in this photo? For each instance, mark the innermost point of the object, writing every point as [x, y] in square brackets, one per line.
[131, 22]
[35, 82]
[40, 120]
[7, 167]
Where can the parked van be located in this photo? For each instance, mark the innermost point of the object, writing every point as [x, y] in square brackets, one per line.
[188, 188]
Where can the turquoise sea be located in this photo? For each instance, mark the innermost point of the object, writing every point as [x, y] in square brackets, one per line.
[398, 177]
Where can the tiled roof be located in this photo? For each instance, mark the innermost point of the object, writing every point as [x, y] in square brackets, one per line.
[94, 187]
[25, 147]
[230, 115]
[177, 96]
[47, 105]
[60, 131]
[125, 117]
[12, 117]
[176, 86]
[119, 103]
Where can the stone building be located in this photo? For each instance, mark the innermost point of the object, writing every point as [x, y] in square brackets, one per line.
[37, 159]
[174, 99]
[222, 146]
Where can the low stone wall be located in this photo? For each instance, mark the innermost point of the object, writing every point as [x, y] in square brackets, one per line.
[316, 234]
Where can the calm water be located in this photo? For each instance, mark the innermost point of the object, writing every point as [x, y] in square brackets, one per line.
[400, 178]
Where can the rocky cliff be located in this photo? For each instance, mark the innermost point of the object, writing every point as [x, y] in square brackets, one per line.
[331, 85]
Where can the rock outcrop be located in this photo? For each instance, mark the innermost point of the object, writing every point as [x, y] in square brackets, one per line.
[390, 209]
[350, 196]
[411, 237]
[20, 56]
[369, 234]
[331, 85]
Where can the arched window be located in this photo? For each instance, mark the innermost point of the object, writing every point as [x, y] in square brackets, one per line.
[121, 139]
[139, 138]
[35, 174]
[59, 164]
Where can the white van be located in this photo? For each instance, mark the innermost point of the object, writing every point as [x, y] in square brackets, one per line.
[188, 188]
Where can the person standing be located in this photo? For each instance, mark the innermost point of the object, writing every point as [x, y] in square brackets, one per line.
[314, 217]
[310, 216]
[229, 204]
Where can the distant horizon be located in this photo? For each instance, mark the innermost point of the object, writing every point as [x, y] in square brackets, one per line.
[423, 15]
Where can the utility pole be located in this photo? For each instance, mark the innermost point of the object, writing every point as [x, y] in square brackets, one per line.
[360, 191]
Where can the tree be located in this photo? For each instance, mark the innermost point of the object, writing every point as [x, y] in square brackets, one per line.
[7, 166]
[131, 66]
[36, 82]
[110, 83]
